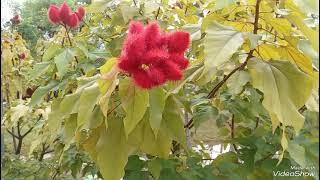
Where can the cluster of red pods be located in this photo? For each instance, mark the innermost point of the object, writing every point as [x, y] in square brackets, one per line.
[65, 15]
[152, 57]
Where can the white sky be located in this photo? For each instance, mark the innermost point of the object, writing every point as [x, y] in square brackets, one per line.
[6, 10]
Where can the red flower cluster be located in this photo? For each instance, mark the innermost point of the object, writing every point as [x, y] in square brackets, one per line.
[152, 57]
[16, 19]
[22, 56]
[65, 15]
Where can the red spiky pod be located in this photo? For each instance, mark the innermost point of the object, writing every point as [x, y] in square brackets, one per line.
[178, 41]
[73, 20]
[22, 56]
[65, 13]
[53, 14]
[80, 12]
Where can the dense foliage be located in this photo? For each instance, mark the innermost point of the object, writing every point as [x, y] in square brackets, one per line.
[250, 85]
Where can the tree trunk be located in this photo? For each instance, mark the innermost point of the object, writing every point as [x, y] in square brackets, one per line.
[18, 150]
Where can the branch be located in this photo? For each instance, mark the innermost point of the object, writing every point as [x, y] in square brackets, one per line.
[26, 133]
[109, 112]
[213, 92]
[232, 133]
[12, 134]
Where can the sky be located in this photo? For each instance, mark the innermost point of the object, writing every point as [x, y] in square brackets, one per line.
[6, 9]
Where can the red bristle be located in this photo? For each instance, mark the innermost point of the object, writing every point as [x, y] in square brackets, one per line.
[135, 46]
[179, 59]
[80, 12]
[152, 35]
[65, 13]
[155, 56]
[142, 79]
[178, 41]
[128, 65]
[135, 27]
[53, 14]
[73, 20]
[171, 70]
[156, 76]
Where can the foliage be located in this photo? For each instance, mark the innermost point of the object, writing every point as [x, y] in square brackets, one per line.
[251, 85]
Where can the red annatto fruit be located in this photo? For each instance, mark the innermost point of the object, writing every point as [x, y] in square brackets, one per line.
[16, 19]
[73, 20]
[171, 70]
[22, 56]
[135, 27]
[53, 14]
[134, 46]
[152, 35]
[80, 12]
[155, 56]
[141, 78]
[128, 65]
[178, 41]
[65, 13]
[156, 75]
[179, 59]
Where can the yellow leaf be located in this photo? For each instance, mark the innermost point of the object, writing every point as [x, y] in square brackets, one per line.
[312, 35]
[281, 25]
[294, 55]
[267, 52]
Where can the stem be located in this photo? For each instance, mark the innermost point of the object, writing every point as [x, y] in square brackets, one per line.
[18, 150]
[69, 39]
[187, 130]
[14, 142]
[232, 133]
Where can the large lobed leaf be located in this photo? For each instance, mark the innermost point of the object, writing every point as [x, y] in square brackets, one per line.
[285, 88]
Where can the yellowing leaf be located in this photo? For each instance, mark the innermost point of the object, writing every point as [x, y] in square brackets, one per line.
[281, 25]
[285, 88]
[237, 81]
[143, 137]
[295, 56]
[87, 102]
[112, 150]
[312, 35]
[173, 122]
[220, 43]
[267, 52]
[62, 61]
[134, 101]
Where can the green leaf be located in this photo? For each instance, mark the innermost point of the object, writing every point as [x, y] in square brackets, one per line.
[283, 96]
[143, 138]
[173, 121]
[41, 91]
[52, 50]
[87, 103]
[297, 153]
[112, 150]
[54, 117]
[62, 61]
[220, 43]
[134, 101]
[39, 69]
[157, 100]
[220, 4]
[70, 126]
[237, 81]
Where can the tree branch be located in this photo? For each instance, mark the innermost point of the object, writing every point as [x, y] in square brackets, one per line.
[213, 92]
[26, 133]
[12, 134]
